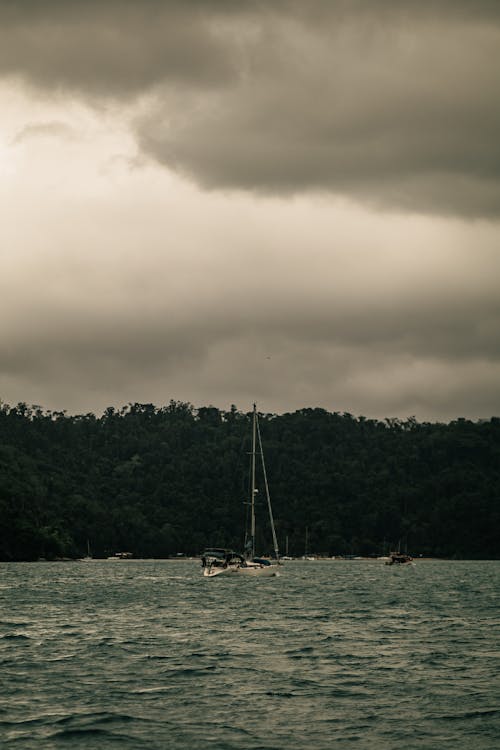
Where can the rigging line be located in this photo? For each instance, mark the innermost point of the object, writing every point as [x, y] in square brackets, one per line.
[247, 506]
[252, 498]
[268, 496]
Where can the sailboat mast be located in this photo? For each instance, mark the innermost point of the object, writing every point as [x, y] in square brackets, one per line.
[252, 498]
[268, 496]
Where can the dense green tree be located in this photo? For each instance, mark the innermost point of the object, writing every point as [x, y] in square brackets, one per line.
[159, 481]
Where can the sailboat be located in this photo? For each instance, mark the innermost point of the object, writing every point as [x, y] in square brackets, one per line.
[217, 561]
[399, 558]
[306, 555]
[286, 556]
[88, 557]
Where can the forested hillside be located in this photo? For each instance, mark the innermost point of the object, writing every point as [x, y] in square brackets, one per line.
[159, 481]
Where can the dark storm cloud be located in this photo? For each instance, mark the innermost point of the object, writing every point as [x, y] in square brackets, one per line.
[393, 103]
[384, 337]
[115, 48]
[87, 368]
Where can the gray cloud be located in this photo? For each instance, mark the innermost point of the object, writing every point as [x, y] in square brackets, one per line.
[389, 335]
[90, 368]
[393, 103]
[51, 129]
[395, 117]
[115, 49]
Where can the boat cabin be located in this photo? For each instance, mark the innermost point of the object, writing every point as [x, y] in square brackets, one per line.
[217, 557]
[398, 558]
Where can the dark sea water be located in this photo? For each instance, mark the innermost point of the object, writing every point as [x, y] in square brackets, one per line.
[332, 654]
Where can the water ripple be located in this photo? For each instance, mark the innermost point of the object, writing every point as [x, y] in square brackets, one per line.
[332, 654]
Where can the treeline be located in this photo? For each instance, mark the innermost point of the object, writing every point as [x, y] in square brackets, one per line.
[160, 481]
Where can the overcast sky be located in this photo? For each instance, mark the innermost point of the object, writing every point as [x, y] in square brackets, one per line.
[212, 201]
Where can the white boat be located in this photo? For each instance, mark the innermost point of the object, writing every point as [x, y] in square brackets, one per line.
[217, 561]
[399, 558]
[120, 556]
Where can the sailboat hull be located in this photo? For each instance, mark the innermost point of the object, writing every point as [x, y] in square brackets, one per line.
[214, 572]
[261, 571]
[252, 570]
